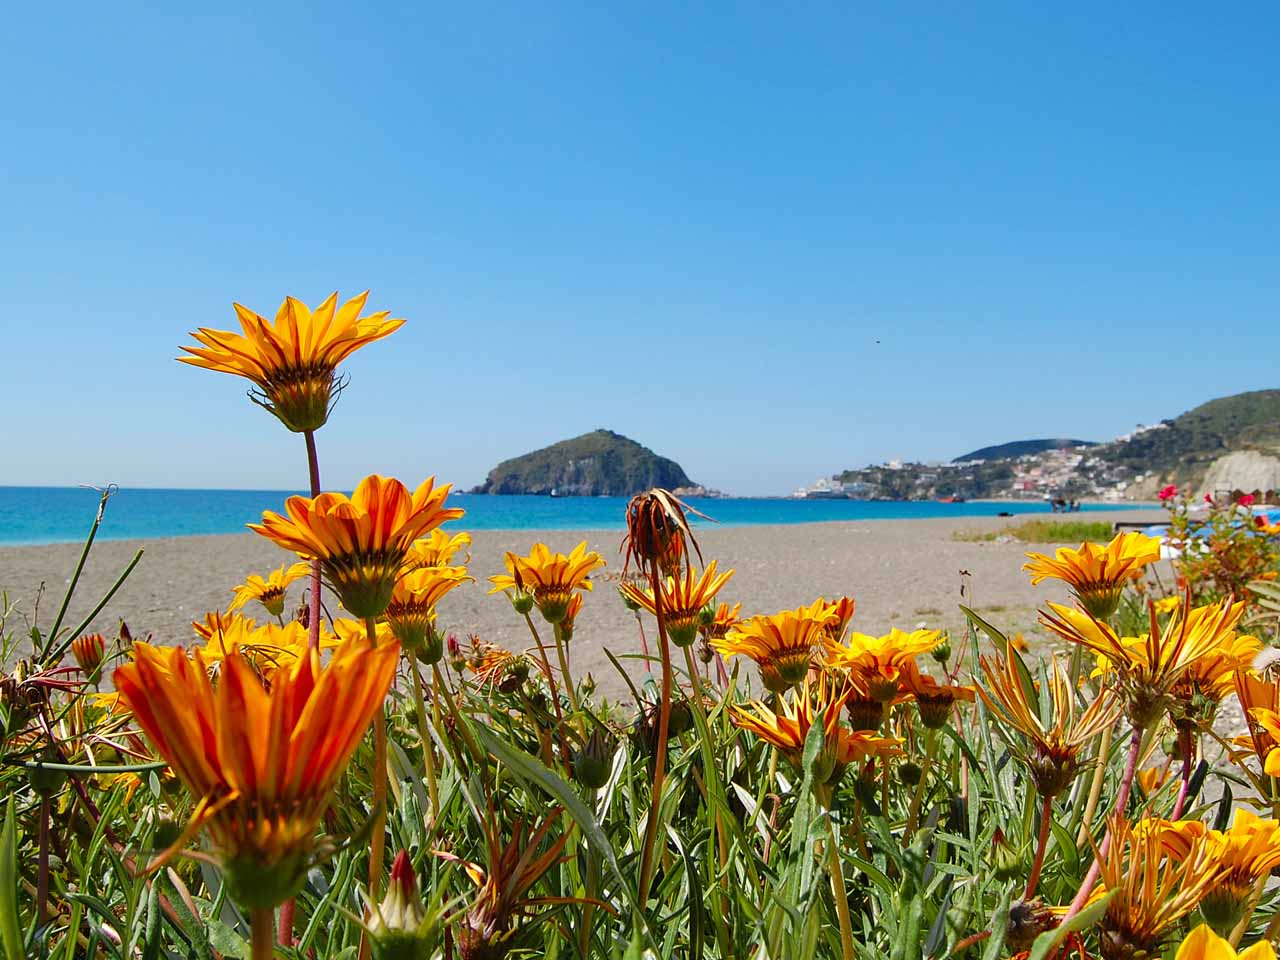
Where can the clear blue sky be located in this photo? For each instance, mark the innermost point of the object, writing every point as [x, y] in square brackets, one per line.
[770, 243]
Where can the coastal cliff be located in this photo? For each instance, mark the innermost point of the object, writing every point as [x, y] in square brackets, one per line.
[600, 463]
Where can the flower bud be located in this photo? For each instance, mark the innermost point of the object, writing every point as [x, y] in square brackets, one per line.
[521, 601]
[942, 652]
[89, 652]
[457, 659]
[399, 928]
[44, 781]
[909, 773]
[593, 761]
[680, 720]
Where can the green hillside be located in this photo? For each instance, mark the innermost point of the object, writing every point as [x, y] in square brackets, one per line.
[600, 463]
[1183, 448]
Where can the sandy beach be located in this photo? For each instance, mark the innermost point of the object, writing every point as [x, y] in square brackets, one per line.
[903, 573]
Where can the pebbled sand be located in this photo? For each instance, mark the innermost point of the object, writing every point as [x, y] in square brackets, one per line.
[903, 573]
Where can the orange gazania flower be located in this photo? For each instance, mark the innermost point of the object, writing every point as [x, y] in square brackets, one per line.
[1097, 575]
[683, 599]
[782, 645]
[1153, 889]
[413, 605]
[89, 651]
[842, 610]
[551, 578]
[878, 665]
[292, 362]
[1148, 667]
[817, 701]
[267, 648]
[261, 764]
[361, 542]
[1210, 678]
[1055, 746]
[437, 549]
[934, 699]
[268, 591]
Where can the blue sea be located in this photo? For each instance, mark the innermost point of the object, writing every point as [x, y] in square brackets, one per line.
[33, 515]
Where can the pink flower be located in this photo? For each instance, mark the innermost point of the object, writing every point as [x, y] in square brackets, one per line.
[1261, 520]
[1246, 500]
[1168, 493]
[1208, 498]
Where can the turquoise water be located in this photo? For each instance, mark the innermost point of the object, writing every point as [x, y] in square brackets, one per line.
[30, 515]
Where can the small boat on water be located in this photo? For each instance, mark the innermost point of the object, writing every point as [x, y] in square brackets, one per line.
[953, 499]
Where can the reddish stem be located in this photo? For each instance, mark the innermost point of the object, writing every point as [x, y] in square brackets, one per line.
[660, 754]
[1122, 800]
[1046, 822]
[1188, 753]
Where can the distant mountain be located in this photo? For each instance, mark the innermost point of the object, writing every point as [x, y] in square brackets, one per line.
[600, 463]
[1018, 448]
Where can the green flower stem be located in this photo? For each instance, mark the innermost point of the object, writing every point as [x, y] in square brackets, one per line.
[313, 609]
[840, 893]
[1095, 788]
[474, 748]
[566, 755]
[569, 686]
[1187, 745]
[378, 775]
[913, 816]
[660, 753]
[428, 747]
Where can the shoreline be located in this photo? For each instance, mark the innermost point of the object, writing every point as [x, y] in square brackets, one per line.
[904, 573]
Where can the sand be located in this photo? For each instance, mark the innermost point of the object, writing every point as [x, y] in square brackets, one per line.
[903, 573]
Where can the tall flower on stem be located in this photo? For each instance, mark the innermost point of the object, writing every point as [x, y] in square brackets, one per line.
[552, 578]
[437, 549]
[682, 598]
[658, 539]
[1096, 575]
[1053, 751]
[293, 361]
[412, 611]
[361, 542]
[262, 764]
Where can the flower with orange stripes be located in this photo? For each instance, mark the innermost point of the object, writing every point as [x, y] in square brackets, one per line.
[782, 645]
[683, 599]
[361, 542]
[262, 764]
[551, 578]
[269, 590]
[412, 610]
[1097, 575]
[293, 361]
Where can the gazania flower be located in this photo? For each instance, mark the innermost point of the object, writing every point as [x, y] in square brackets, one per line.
[262, 764]
[816, 701]
[217, 622]
[89, 651]
[570, 618]
[1151, 779]
[721, 622]
[1203, 944]
[878, 664]
[1153, 890]
[437, 549]
[934, 699]
[658, 531]
[413, 608]
[1097, 575]
[1258, 698]
[1148, 667]
[1246, 852]
[266, 648]
[1209, 679]
[551, 578]
[782, 645]
[355, 631]
[1053, 752]
[496, 667]
[292, 362]
[841, 614]
[488, 928]
[269, 591]
[683, 599]
[361, 542]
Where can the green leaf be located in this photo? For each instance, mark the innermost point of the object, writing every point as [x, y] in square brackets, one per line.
[151, 938]
[538, 773]
[10, 924]
[998, 638]
[999, 930]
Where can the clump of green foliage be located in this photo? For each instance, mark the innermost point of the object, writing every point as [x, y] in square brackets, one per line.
[1042, 531]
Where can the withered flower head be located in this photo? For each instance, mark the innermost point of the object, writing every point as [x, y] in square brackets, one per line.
[658, 531]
